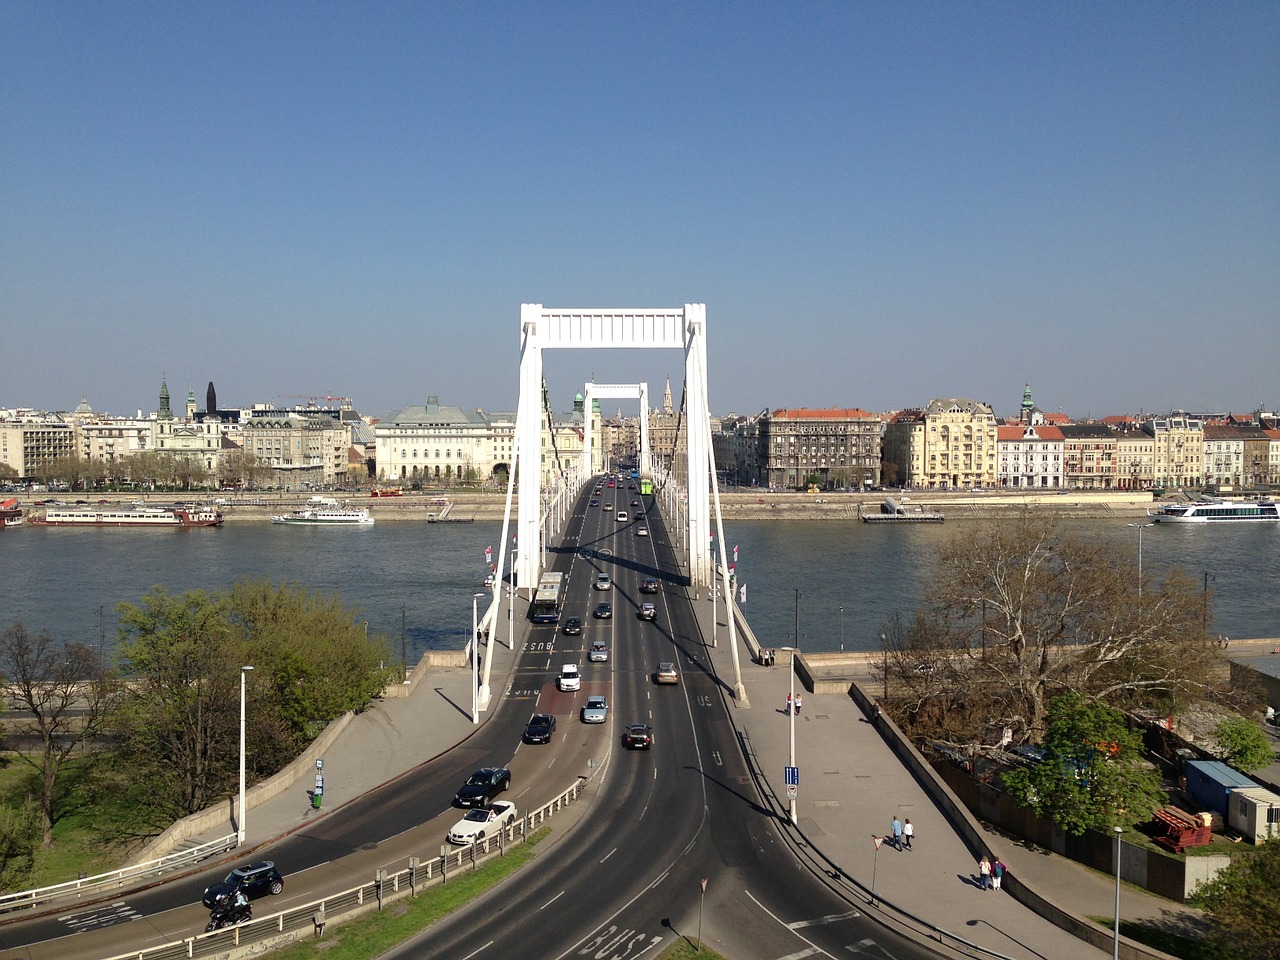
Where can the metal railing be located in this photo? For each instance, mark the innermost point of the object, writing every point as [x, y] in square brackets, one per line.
[76, 889]
[388, 886]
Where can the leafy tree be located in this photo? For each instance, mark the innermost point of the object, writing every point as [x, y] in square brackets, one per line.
[61, 687]
[1021, 611]
[1244, 902]
[1243, 745]
[310, 652]
[1093, 774]
[20, 830]
[8, 472]
[180, 719]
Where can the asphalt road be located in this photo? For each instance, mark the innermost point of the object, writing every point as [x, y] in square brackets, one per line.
[628, 877]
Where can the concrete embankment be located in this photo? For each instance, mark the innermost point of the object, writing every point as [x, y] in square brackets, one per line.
[484, 505]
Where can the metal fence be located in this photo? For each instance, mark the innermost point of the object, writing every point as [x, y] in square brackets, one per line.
[388, 886]
[105, 882]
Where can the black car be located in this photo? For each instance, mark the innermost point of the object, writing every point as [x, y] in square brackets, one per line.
[255, 879]
[572, 626]
[603, 610]
[482, 786]
[541, 727]
[639, 736]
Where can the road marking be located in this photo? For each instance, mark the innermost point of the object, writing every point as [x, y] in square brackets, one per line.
[830, 918]
[814, 949]
[608, 855]
[803, 953]
[108, 915]
[719, 760]
[474, 953]
[552, 900]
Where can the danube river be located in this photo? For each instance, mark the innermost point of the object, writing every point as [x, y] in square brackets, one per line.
[420, 577]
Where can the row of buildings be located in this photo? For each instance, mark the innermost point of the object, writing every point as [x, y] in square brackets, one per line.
[950, 443]
[958, 443]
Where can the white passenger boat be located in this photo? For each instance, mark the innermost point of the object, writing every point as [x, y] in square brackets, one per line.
[1217, 511]
[325, 511]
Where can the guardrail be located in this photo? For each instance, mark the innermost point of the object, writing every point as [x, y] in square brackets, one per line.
[388, 886]
[75, 889]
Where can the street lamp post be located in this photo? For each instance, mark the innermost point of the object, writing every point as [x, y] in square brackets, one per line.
[244, 672]
[1141, 527]
[842, 629]
[475, 659]
[1115, 943]
[791, 711]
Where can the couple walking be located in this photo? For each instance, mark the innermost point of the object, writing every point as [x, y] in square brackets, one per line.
[795, 704]
[902, 833]
[990, 873]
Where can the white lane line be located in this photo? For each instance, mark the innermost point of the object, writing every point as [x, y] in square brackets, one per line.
[821, 921]
[814, 949]
[608, 855]
[475, 953]
[552, 900]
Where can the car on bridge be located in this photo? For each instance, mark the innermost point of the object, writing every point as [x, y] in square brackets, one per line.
[253, 879]
[572, 626]
[570, 679]
[540, 728]
[647, 612]
[482, 786]
[603, 582]
[595, 710]
[603, 610]
[649, 585]
[639, 736]
[599, 652]
[666, 673]
[482, 822]
[642, 531]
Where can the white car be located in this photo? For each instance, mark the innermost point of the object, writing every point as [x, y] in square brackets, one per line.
[570, 678]
[603, 582]
[483, 822]
[596, 710]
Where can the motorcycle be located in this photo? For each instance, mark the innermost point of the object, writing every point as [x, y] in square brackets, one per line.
[228, 912]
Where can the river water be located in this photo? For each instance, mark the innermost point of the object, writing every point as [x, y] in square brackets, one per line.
[419, 577]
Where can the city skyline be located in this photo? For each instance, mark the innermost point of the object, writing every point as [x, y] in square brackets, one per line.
[879, 205]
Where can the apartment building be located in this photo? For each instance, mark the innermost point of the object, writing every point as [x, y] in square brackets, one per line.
[1030, 457]
[950, 444]
[837, 448]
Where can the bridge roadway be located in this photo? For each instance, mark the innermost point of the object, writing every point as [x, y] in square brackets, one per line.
[620, 874]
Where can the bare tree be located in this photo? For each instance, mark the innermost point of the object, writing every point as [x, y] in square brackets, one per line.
[1022, 611]
[62, 700]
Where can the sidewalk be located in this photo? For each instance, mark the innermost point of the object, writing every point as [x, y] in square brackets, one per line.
[852, 785]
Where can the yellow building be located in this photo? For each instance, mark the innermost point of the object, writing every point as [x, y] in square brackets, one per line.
[950, 444]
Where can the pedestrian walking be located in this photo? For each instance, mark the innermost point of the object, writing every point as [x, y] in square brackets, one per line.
[984, 873]
[799, 703]
[788, 710]
[997, 874]
[908, 831]
[897, 832]
[773, 658]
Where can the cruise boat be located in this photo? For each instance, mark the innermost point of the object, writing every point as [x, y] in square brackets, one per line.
[325, 511]
[1217, 511]
[135, 516]
[10, 513]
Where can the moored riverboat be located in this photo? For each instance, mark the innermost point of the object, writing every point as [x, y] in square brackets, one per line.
[134, 516]
[1217, 511]
[322, 511]
[10, 513]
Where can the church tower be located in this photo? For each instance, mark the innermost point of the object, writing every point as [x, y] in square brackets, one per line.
[666, 399]
[1027, 405]
[164, 413]
[191, 404]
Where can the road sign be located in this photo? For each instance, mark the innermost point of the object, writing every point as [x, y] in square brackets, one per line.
[793, 781]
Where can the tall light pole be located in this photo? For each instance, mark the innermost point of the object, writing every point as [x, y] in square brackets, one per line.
[1115, 943]
[791, 711]
[475, 659]
[842, 629]
[404, 647]
[244, 672]
[1141, 527]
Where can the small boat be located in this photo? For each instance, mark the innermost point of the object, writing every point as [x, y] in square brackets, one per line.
[10, 513]
[325, 511]
[135, 516]
[891, 511]
[1217, 511]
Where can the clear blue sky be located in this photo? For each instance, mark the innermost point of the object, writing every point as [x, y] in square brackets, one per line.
[880, 203]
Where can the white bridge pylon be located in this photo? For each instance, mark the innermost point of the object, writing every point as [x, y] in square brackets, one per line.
[683, 328]
[624, 391]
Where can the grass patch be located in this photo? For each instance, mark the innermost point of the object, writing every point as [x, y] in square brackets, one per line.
[96, 828]
[682, 949]
[1185, 948]
[373, 935]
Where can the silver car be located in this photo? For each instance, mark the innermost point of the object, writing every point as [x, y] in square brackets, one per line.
[599, 652]
[596, 710]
